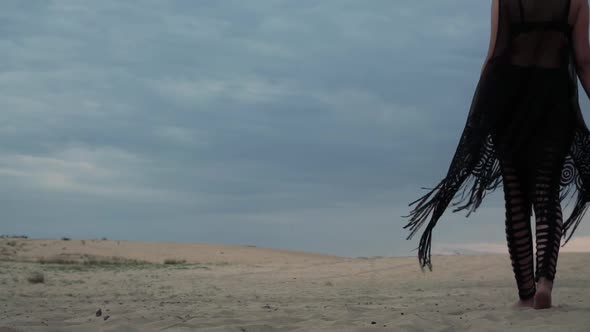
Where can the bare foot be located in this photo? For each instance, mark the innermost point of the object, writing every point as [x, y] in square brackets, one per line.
[542, 298]
[528, 303]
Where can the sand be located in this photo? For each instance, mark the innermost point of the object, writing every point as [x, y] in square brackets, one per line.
[244, 288]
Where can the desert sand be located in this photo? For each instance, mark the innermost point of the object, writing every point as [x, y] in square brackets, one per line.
[106, 285]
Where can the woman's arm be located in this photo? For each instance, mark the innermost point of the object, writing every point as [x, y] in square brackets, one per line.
[581, 45]
[493, 32]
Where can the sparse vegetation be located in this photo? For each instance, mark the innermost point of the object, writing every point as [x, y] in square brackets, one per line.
[5, 236]
[72, 282]
[57, 260]
[218, 263]
[90, 260]
[11, 243]
[84, 262]
[36, 278]
[114, 261]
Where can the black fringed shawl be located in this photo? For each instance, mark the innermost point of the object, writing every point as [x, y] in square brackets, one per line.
[475, 169]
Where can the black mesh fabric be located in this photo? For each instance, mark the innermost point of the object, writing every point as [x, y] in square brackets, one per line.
[524, 106]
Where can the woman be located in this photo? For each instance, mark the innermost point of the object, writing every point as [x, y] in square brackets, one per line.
[524, 131]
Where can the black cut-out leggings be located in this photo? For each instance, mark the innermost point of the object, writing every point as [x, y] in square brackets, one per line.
[522, 198]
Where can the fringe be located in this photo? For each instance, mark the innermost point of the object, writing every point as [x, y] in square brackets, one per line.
[572, 223]
[486, 180]
[579, 167]
[474, 179]
[476, 171]
[474, 187]
[418, 216]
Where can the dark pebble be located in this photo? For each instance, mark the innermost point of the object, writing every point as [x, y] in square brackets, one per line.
[402, 313]
[106, 317]
[373, 323]
[98, 313]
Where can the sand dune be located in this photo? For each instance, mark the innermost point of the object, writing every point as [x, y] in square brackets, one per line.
[209, 287]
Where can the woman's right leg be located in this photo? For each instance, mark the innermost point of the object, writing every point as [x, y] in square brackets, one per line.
[549, 223]
[518, 231]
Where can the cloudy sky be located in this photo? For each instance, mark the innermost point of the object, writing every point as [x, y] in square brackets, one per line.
[303, 124]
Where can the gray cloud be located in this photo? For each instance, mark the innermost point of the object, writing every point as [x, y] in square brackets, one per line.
[305, 125]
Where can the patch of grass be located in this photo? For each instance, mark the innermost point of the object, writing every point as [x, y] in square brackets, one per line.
[88, 260]
[187, 267]
[81, 263]
[57, 260]
[217, 263]
[182, 264]
[36, 278]
[5, 236]
[73, 282]
[94, 260]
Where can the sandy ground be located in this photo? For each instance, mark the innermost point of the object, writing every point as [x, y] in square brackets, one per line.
[243, 288]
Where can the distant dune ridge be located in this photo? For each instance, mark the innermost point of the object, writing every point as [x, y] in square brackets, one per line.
[577, 244]
[158, 252]
[110, 285]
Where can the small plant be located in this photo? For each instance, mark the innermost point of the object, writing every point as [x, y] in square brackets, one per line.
[36, 278]
[65, 238]
[172, 261]
[11, 243]
[104, 238]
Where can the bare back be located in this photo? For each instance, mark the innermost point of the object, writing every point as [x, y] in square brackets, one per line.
[533, 33]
